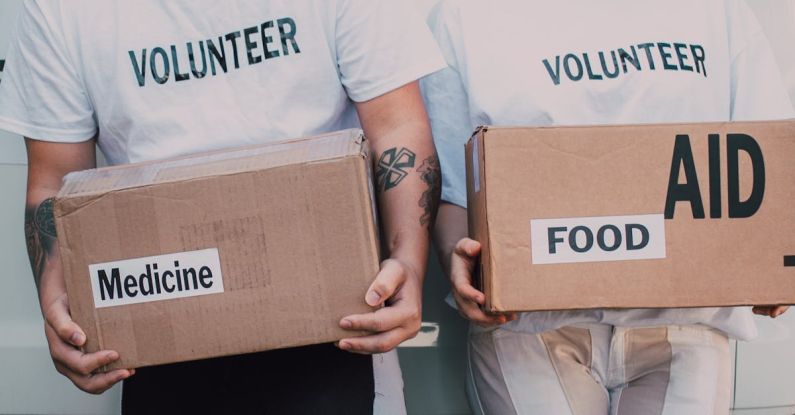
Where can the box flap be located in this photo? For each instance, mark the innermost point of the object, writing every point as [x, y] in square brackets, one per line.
[305, 150]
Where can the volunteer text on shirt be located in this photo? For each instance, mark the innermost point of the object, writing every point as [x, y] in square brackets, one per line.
[670, 56]
[161, 63]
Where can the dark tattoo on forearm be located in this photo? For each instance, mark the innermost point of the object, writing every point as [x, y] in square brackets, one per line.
[392, 165]
[40, 236]
[429, 201]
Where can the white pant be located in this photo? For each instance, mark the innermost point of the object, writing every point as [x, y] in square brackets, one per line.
[388, 385]
[600, 369]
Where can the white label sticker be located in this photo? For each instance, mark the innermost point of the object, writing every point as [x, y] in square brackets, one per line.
[156, 278]
[476, 165]
[597, 239]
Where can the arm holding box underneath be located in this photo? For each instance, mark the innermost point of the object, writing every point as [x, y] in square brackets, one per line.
[48, 162]
[458, 255]
[408, 183]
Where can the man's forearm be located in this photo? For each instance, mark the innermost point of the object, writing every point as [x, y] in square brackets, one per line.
[48, 163]
[40, 236]
[431, 175]
[406, 169]
[409, 185]
[395, 164]
[451, 226]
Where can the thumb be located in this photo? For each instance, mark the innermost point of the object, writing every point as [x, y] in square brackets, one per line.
[462, 263]
[60, 320]
[387, 282]
[467, 248]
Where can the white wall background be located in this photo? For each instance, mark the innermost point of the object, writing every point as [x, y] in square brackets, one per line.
[29, 383]
[12, 150]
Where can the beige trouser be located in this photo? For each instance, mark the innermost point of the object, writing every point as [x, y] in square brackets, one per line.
[388, 385]
[600, 369]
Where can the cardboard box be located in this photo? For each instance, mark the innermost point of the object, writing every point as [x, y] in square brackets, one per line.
[223, 253]
[678, 215]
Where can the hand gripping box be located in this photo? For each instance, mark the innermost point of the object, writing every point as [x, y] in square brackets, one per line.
[678, 215]
[222, 253]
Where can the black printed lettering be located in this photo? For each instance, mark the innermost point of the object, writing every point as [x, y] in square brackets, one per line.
[178, 76]
[109, 287]
[190, 272]
[186, 281]
[169, 274]
[156, 280]
[288, 35]
[163, 59]
[714, 176]
[680, 49]
[699, 58]
[587, 60]
[232, 38]
[130, 286]
[615, 62]
[553, 239]
[196, 73]
[573, 239]
[607, 72]
[567, 67]
[145, 283]
[205, 277]
[625, 57]
[688, 191]
[161, 77]
[251, 45]
[665, 55]
[216, 55]
[554, 74]
[734, 144]
[139, 70]
[602, 242]
[630, 229]
[649, 58]
[267, 41]
[170, 288]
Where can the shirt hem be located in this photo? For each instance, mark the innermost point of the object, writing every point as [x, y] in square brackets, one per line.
[402, 78]
[455, 200]
[54, 135]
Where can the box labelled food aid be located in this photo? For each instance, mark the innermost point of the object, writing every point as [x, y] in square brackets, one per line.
[676, 215]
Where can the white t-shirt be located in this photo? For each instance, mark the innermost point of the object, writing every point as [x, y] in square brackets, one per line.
[160, 78]
[570, 62]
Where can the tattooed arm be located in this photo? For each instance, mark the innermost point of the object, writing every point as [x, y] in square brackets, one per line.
[409, 184]
[47, 164]
[40, 237]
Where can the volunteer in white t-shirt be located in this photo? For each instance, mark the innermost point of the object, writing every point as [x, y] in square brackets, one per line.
[152, 79]
[569, 62]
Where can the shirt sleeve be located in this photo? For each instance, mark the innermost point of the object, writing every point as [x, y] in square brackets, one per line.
[382, 45]
[447, 103]
[41, 95]
[757, 88]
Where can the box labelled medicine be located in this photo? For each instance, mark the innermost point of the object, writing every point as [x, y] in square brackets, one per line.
[222, 253]
[646, 216]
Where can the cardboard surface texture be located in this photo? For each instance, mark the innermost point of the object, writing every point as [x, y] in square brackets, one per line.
[647, 216]
[222, 253]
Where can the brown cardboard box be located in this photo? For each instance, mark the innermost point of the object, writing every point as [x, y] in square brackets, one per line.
[241, 251]
[596, 217]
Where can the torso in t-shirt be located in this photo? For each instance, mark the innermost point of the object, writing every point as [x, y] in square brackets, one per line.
[576, 62]
[159, 78]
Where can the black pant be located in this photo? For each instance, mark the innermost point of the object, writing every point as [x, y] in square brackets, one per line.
[314, 380]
